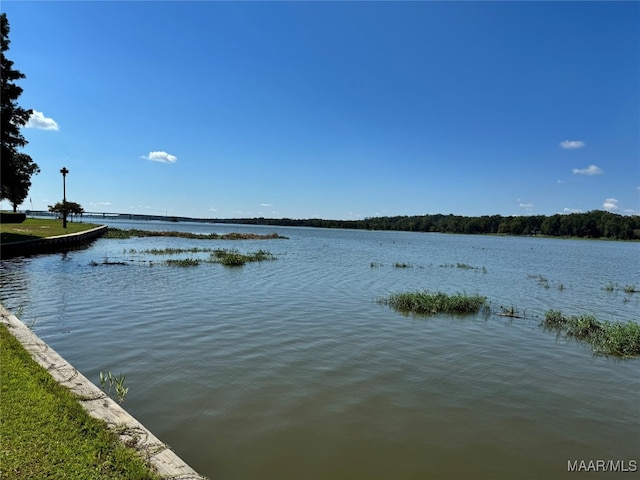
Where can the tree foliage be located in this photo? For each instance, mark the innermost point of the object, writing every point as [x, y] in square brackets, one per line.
[593, 224]
[71, 208]
[17, 168]
[18, 191]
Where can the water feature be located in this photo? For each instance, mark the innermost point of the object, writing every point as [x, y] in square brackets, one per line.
[292, 369]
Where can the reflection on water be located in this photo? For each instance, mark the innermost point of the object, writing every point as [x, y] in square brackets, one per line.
[291, 369]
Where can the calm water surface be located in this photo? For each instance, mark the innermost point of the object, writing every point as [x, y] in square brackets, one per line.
[290, 369]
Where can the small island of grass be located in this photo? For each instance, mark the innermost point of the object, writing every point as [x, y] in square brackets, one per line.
[427, 303]
[606, 338]
[118, 233]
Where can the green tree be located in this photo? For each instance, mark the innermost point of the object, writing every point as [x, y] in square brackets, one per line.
[71, 208]
[17, 192]
[16, 169]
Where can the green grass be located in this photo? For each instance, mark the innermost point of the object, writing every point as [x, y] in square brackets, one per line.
[606, 338]
[35, 228]
[116, 233]
[184, 262]
[233, 258]
[426, 303]
[47, 434]
[173, 251]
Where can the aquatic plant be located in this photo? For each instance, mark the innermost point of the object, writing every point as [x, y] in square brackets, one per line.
[233, 258]
[607, 338]
[630, 289]
[424, 302]
[402, 265]
[108, 382]
[174, 251]
[609, 287]
[183, 262]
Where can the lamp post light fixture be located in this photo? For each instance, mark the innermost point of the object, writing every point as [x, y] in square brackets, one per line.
[64, 172]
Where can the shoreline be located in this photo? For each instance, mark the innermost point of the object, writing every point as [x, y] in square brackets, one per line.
[51, 244]
[99, 405]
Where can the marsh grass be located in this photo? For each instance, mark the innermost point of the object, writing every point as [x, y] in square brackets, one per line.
[233, 258]
[402, 265]
[464, 266]
[605, 338]
[427, 303]
[117, 233]
[183, 262]
[170, 251]
[47, 434]
[612, 287]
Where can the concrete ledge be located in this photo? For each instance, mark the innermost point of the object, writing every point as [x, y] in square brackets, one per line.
[51, 244]
[131, 432]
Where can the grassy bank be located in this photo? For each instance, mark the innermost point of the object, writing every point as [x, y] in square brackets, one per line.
[47, 434]
[35, 228]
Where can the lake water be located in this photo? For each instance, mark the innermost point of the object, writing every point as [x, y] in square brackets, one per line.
[291, 369]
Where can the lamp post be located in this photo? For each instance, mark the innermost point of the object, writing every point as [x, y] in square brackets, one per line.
[64, 172]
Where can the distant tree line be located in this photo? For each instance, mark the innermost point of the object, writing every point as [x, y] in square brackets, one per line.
[593, 224]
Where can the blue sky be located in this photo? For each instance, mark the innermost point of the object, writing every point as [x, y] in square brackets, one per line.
[339, 110]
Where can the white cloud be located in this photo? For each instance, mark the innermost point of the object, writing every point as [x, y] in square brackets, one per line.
[266, 205]
[99, 204]
[162, 157]
[213, 209]
[590, 170]
[610, 204]
[572, 144]
[571, 210]
[39, 121]
[526, 206]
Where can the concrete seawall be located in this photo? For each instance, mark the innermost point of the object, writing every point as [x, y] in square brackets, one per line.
[131, 432]
[51, 244]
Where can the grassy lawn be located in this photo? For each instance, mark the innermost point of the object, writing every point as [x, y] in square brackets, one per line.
[33, 228]
[46, 433]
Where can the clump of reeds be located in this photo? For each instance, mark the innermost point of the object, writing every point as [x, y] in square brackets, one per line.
[183, 262]
[464, 266]
[173, 251]
[424, 302]
[402, 265]
[607, 338]
[233, 258]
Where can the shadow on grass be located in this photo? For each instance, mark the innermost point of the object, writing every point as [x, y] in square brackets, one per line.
[7, 237]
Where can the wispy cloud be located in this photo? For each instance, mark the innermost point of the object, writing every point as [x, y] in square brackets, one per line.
[99, 204]
[571, 210]
[266, 205]
[526, 206]
[162, 157]
[590, 170]
[39, 121]
[610, 204]
[572, 144]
